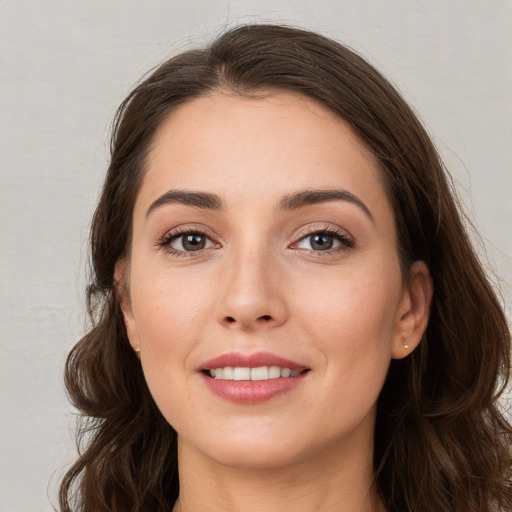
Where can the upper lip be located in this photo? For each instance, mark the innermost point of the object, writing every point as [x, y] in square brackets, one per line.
[255, 360]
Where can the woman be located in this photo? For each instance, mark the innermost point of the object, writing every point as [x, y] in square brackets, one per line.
[287, 311]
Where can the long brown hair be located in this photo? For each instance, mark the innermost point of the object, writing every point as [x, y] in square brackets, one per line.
[441, 443]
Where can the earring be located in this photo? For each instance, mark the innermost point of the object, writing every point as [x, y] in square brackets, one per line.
[406, 346]
[137, 350]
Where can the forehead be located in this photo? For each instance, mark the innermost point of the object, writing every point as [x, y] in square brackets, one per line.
[253, 148]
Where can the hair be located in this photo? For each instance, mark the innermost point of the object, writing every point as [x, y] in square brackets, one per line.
[441, 441]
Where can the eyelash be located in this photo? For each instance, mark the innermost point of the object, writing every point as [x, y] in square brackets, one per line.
[346, 242]
[167, 239]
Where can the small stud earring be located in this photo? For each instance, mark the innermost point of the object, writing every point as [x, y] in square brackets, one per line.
[137, 350]
[406, 346]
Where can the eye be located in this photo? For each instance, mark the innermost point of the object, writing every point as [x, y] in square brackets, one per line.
[186, 242]
[191, 242]
[325, 240]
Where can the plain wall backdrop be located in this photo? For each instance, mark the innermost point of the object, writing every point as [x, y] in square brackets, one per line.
[64, 68]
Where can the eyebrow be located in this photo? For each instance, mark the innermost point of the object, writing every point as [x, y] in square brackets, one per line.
[311, 197]
[198, 199]
[295, 201]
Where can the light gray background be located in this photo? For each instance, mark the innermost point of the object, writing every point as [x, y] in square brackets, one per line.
[64, 68]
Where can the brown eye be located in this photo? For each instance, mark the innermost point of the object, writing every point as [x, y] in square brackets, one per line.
[319, 242]
[190, 242]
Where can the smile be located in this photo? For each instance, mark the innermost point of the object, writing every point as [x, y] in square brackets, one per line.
[260, 373]
[252, 378]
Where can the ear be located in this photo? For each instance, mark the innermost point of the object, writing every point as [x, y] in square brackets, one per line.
[123, 294]
[414, 311]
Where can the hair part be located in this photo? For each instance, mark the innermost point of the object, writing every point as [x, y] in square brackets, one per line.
[441, 442]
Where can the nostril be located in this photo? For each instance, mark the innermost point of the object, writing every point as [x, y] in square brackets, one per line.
[262, 318]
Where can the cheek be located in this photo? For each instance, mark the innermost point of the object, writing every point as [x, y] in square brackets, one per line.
[352, 318]
[353, 301]
[171, 317]
[170, 321]
[169, 307]
[354, 333]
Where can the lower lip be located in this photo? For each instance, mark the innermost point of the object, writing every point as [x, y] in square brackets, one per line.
[252, 392]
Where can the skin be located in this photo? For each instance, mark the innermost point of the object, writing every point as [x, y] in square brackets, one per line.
[260, 285]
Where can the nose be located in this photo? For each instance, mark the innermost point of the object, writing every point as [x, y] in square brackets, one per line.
[252, 293]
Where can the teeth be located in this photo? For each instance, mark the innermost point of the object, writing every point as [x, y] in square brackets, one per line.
[259, 373]
[274, 372]
[239, 374]
[226, 373]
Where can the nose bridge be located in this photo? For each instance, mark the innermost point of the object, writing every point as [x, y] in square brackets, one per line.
[251, 294]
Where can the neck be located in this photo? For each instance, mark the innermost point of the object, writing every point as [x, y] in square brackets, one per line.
[330, 481]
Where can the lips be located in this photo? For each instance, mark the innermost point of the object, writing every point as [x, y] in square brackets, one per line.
[255, 360]
[251, 378]
[258, 373]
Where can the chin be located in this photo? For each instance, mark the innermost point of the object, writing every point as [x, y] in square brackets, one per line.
[254, 456]
[247, 448]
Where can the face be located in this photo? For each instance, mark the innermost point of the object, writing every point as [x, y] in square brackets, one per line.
[264, 254]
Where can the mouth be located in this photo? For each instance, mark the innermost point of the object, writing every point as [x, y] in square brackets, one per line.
[252, 378]
[260, 373]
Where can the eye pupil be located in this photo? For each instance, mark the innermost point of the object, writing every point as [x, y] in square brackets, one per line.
[193, 242]
[321, 242]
